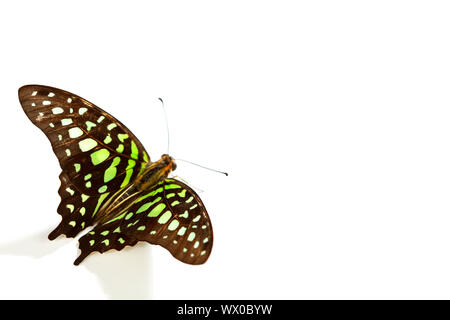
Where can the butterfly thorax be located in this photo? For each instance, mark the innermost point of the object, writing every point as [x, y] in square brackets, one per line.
[120, 201]
[155, 172]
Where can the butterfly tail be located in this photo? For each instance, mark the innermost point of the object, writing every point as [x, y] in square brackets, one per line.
[103, 238]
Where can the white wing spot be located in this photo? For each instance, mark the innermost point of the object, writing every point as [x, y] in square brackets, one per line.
[51, 94]
[190, 199]
[75, 132]
[184, 215]
[46, 102]
[57, 110]
[87, 144]
[173, 225]
[66, 122]
[69, 100]
[90, 125]
[82, 110]
[69, 190]
[182, 231]
[191, 236]
[34, 93]
[164, 217]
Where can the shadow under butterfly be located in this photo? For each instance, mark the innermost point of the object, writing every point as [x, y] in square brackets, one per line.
[108, 182]
[134, 262]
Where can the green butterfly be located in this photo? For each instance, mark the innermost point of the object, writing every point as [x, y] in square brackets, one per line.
[109, 182]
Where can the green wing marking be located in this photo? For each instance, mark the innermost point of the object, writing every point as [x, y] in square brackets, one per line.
[170, 214]
[98, 155]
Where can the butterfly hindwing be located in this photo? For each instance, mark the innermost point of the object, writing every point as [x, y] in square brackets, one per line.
[74, 217]
[103, 238]
[98, 155]
[179, 221]
[170, 214]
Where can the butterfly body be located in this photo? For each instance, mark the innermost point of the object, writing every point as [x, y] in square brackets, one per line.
[109, 184]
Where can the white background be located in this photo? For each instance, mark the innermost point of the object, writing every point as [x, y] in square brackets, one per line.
[332, 118]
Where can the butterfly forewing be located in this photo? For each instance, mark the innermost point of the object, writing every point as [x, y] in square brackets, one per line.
[98, 155]
[170, 214]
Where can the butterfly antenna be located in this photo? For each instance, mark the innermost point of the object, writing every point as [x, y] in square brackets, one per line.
[198, 165]
[167, 124]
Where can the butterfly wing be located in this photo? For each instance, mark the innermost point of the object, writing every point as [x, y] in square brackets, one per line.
[170, 214]
[98, 155]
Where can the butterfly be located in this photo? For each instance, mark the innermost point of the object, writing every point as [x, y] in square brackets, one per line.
[109, 184]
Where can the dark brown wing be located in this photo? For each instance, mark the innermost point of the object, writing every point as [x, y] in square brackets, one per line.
[98, 155]
[170, 214]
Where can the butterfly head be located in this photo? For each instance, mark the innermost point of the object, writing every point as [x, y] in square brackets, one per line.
[169, 162]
